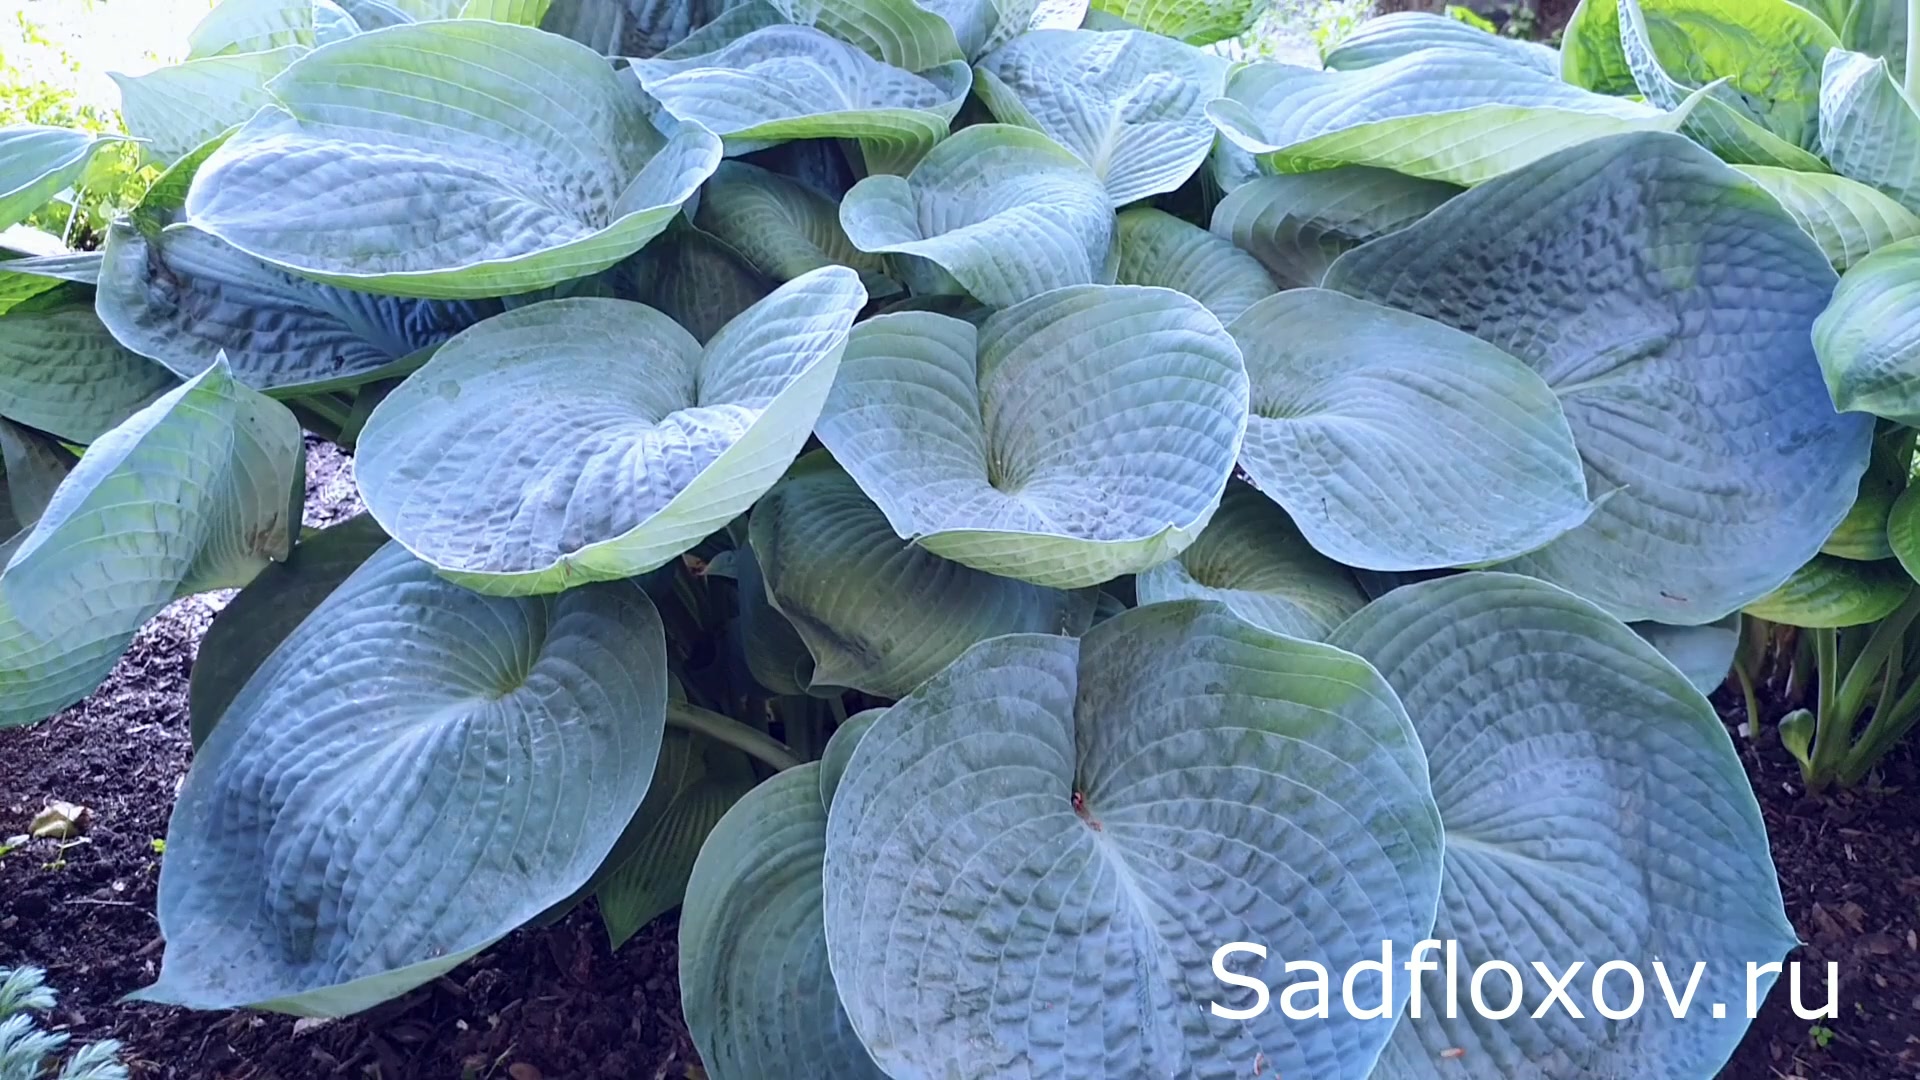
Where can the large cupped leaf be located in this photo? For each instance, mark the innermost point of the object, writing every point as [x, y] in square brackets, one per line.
[1004, 210]
[1868, 339]
[782, 226]
[1869, 128]
[1252, 559]
[197, 491]
[1157, 248]
[1595, 811]
[449, 160]
[780, 83]
[878, 613]
[1848, 219]
[754, 981]
[1081, 435]
[39, 162]
[1390, 37]
[1434, 114]
[592, 439]
[61, 371]
[181, 296]
[1296, 225]
[177, 108]
[414, 772]
[1399, 443]
[1132, 105]
[1669, 302]
[249, 629]
[1196, 22]
[1032, 859]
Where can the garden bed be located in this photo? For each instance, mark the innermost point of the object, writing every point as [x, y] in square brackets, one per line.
[556, 1003]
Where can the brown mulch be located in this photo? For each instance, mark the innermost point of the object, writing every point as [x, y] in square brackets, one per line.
[557, 1004]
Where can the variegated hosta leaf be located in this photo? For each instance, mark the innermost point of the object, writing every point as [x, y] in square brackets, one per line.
[795, 82]
[1196, 22]
[180, 296]
[1869, 129]
[968, 443]
[250, 26]
[695, 782]
[1848, 219]
[1595, 811]
[177, 108]
[1863, 535]
[1704, 654]
[1390, 37]
[590, 439]
[1133, 106]
[249, 629]
[1868, 338]
[62, 372]
[453, 160]
[31, 469]
[199, 490]
[1834, 592]
[414, 772]
[630, 28]
[1004, 210]
[38, 162]
[1047, 797]
[1297, 225]
[1383, 433]
[782, 226]
[1157, 248]
[1745, 116]
[1252, 559]
[1670, 304]
[754, 981]
[1438, 115]
[879, 613]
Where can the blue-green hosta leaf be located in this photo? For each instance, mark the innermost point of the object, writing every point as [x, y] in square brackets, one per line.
[782, 226]
[695, 782]
[759, 997]
[631, 28]
[1835, 592]
[1863, 535]
[1004, 210]
[1591, 56]
[519, 12]
[180, 296]
[1296, 225]
[781, 83]
[249, 629]
[1157, 248]
[1704, 654]
[966, 440]
[1877, 28]
[1390, 37]
[1903, 530]
[699, 282]
[1133, 106]
[1868, 339]
[62, 372]
[1253, 559]
[22, 279]
[1745, 117]
[981, 26]
[900, 32]
[1670, 303]
[591, 439]
[251, 26]
[1031, 860]
[1869, 129]
[1196, 22]
[776, 655]
[1442, 116]
[197, 491]
[840, 747]
[1595, 811]
[178, 108]
[38, 162]
[417, 161]
[32, 466]
[1848, 219]
[1383, 432]
[414, 772]
[879, 613]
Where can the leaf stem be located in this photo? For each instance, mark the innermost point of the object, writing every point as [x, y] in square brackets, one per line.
[761, 747]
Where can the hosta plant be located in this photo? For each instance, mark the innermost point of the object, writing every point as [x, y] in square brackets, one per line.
[978, 504]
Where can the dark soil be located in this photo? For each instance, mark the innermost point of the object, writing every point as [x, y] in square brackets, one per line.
[557, 1004]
